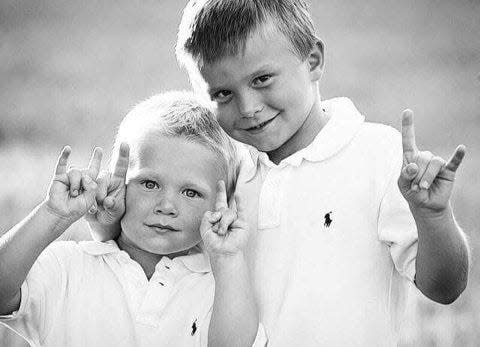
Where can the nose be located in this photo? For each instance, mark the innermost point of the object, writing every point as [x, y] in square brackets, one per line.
[166, 206]
[249, 104]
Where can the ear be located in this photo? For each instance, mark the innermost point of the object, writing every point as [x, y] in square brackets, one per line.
[316, 61]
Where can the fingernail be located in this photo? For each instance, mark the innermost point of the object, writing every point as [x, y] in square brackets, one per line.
[411, 170]
[415, 188]
[424, 185]
[107, 203]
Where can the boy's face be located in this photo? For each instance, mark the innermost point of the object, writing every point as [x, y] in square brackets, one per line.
[171, 184]
[264, 94]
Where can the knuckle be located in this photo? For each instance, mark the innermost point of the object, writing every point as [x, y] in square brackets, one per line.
[438, 160]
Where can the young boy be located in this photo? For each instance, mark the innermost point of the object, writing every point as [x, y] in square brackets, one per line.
[334, 233]
[324, 188]
[154, 285]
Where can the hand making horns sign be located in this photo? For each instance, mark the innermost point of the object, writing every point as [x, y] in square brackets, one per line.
[426, 180]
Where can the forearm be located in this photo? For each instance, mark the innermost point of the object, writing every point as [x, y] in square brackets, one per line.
[442, 262]
[234, 319]
[20, 247]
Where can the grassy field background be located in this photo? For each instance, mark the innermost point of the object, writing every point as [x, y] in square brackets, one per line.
[71, 69]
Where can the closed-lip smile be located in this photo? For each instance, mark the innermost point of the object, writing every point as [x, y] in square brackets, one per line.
[162, 227]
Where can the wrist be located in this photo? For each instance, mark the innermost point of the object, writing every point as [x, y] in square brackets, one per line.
[228, 261]
[53, 218]
[440, 215]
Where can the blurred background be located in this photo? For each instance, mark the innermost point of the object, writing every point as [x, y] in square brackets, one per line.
[70, 70]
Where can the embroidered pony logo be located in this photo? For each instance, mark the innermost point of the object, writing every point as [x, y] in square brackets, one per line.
[194, 327]
[328, 220]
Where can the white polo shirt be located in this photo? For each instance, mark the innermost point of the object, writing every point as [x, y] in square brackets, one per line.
[94, 294]
[335, 236]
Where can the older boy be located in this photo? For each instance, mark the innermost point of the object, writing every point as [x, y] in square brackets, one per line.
[154, 285]
[334, 233]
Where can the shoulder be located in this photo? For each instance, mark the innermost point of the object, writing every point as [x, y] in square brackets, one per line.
[380, 134]
[62, 249]
[70, 253]
[380, 141]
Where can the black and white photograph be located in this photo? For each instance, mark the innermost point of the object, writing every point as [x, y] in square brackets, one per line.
[239, 173]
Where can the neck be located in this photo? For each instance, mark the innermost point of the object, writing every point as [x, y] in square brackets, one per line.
[147, 260]
[304, 136]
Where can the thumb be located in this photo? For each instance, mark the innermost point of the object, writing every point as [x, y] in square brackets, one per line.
[409, 172]
[109, 203]
[206, 224]
[89, 187]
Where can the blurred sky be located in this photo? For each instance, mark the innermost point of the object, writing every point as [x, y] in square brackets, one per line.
[70, 70]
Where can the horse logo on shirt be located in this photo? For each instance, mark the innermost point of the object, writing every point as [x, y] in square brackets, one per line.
[328, 220]
[194, 327]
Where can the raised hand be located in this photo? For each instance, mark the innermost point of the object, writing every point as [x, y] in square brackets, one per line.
[426, 180]
[224, 231]
[72, 192]
[110, 198]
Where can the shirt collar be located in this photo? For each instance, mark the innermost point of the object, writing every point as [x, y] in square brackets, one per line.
[344, 122]
[196, 260]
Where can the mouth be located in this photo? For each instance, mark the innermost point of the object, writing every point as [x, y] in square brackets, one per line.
[259, 127]
[162, 228]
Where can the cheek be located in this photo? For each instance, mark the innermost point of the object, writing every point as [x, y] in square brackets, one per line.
[195, 214]
[225, 117]
[137, 205]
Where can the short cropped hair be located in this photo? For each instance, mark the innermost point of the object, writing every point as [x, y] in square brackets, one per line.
[213, 29]
[179, 114]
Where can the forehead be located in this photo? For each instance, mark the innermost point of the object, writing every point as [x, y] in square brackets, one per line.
[175, 157]
[264, 47]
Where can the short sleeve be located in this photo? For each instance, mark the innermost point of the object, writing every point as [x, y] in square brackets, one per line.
[396, 226]
[40, 297]
[260, 339]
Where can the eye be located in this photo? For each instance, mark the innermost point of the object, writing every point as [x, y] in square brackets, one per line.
[261, 80]
[149, 184]
[191, 193]
[221, 96]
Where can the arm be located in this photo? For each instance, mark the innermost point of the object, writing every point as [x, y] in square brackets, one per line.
[234, 320]
[426, 182]
[443, 257]
[69, 197]
[104, 218]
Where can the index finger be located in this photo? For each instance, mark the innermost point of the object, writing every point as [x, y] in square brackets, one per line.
[408, 135]
[61, 166]
[221, 198]
[95, 162]
[121, 166]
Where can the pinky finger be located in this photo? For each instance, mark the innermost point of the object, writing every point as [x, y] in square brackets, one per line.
[456, 159]
[61, 167]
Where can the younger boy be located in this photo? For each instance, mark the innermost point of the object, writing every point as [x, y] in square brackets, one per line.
[153, 286]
